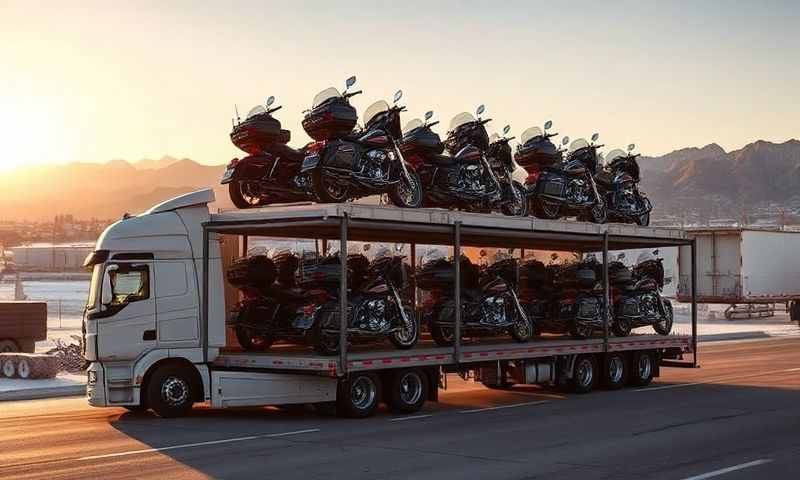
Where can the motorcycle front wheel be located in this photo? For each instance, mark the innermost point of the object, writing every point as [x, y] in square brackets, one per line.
[407, 195]
[580, 330]
[518, 206]
[522, 330]
[598, 213]
[663, 325]
[408, 335]
[252, 340]
[328, 190]
[241, 196]
[643, 220]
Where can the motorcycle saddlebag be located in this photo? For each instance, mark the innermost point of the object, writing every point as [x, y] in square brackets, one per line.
[257, 271]
[333, 118]
[340, 154]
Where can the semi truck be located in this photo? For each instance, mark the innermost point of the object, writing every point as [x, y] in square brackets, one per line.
[155, 321]
[22, 324]
[749, 269]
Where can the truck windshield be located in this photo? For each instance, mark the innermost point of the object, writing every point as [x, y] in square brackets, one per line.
[94, 287]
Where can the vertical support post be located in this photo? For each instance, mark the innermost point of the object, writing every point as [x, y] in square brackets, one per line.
[694, 302]
[413, 260]
[245, 246]
[324, 246]
[343, 295]
[204, 312]
[457, 293]
[606, 296]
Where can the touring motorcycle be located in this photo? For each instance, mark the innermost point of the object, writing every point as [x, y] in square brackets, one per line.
[579, 307]
[475, 175]
[560, 186]
[636, 295]
[618, 183]
[345, 167]
[489, 302]
[266, 175]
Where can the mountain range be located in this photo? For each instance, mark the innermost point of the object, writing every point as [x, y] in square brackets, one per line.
[708, 181]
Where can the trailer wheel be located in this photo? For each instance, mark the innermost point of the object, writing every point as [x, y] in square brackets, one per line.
[643, 369]
[408, 390]
[358, 396]
[615, 374]
[171, 390]
[9, 368]
[584, 374]
[8, 346]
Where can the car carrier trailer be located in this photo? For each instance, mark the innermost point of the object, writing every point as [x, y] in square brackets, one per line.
[180, 356]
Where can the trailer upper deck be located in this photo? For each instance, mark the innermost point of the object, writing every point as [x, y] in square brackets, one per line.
[435, 226]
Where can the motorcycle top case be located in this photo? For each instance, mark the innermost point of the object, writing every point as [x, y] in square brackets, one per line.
[333, 118]
[257, 132]
[422, 141]
[257, 271]
[440, 274]
[651, 269]
[326, 271]
[541, 153]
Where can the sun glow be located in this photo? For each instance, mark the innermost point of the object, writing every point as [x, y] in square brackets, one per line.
[31, 132]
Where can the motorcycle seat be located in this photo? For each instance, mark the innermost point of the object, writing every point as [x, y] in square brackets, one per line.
[604, 178]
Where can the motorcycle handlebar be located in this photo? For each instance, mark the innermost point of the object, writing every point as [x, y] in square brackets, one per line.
[275, 109]
[549, 135]
[432, 124]
[599, 146]
[352, 94]
[485, 121]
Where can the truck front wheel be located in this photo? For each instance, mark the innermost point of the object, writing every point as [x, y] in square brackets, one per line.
[171, 391]
[358, 396]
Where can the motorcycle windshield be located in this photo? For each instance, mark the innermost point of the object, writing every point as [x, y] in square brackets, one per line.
[375, 109]
[326, 94]
[461, 119]
[577, 145]
[613, 155]
[530, 134]
[257, 110]
[413, 124]
[494, 137]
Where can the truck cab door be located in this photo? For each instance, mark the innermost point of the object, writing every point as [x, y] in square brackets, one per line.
[126, 323]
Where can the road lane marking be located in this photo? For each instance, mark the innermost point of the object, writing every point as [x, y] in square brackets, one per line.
[198, 444]
[415, 417]
[501, 407]
[723, 471]
[721, 379]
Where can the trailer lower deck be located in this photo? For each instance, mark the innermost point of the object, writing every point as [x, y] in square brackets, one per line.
[298, 359]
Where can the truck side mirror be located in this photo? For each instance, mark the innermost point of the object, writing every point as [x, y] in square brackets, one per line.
[106, 295]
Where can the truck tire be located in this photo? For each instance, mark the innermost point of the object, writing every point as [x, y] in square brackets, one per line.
[8, 368]
[408, 390]
[8, 345]
[171, 390]
[643, 368]
[135, 408]
[358, 396]
[584, 374]
[615, 374]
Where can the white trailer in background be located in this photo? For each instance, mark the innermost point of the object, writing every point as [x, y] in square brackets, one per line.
[748, 269]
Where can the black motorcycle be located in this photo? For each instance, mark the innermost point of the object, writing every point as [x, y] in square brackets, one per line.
[538, 294]
[579, 304]
[559, 187]
[476, 175]
[266, 175]
[380, 302]
[363, 164]
[636, 295]
[618, 183]
[489, 302]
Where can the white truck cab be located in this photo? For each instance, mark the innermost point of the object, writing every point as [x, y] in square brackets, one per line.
[143, 309]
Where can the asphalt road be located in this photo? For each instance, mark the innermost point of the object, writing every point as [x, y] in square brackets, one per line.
[736, 417]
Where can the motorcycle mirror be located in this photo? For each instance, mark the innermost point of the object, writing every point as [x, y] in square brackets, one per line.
[595, 137]
[655, 252]
[506, 129]
[565, 141]
[428, 115]
[398, 95]
[366, 247]
[631, 147]
[270, 100]
[480, 110]
[483, 253]
[398, 247]
[553, 256]
[548, 124]
[350, 81]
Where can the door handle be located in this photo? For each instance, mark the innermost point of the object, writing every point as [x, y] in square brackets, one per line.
[149, 335]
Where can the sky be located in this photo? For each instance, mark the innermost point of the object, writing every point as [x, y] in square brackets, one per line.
[96, 81]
